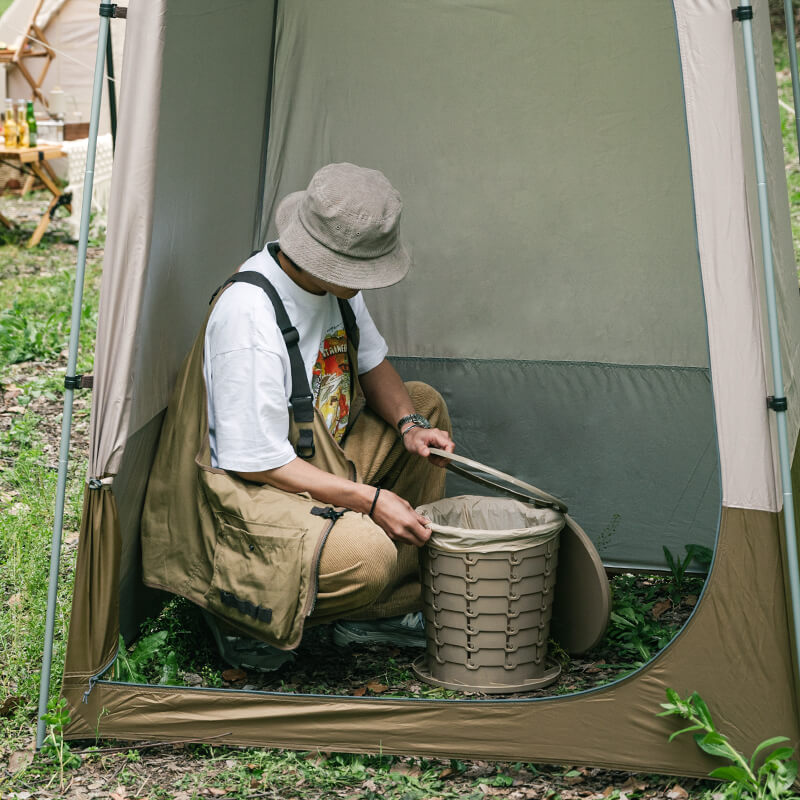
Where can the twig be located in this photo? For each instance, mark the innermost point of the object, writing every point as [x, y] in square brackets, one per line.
[145, 745]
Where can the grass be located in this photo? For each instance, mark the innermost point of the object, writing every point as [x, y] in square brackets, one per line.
[789, 134]
[35, 297]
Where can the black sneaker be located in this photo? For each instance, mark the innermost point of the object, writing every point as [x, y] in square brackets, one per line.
[242, 652]
[407, 631]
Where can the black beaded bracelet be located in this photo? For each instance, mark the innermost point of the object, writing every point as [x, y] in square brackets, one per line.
[374, 501]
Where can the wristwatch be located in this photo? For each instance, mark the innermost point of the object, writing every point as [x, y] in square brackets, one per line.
[416, 419]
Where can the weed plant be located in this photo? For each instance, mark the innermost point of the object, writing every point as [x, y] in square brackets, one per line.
[769, 773]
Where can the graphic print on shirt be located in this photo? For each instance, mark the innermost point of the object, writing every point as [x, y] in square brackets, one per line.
[330, 382]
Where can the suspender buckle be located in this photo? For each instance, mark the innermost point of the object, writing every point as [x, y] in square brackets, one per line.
[305, 444]
[290, 336]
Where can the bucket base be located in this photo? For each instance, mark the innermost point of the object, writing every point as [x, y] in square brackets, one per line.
[420, 667]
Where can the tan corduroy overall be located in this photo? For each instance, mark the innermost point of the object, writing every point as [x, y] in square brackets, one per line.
[264, 560]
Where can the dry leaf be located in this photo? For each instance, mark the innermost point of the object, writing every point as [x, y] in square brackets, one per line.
[360, 692]
[232, 675]
[690, 600]
[660, 607]
[214, 792]
[14, 600]
[19, 759]
[10, 705]
[446, 773]
[404, 768]
[376, 688]
[632, 785]
[484, 788]
[119, 794]
[677, 792]
[608, 791]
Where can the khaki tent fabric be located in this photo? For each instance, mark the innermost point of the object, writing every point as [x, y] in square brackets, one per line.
[744, 673]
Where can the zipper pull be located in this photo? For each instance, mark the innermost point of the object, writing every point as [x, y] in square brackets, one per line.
[92, 681]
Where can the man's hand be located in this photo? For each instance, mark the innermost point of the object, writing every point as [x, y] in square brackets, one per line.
[419, 440]
[400, 522]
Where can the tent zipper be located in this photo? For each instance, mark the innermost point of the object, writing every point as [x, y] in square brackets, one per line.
[94, 678]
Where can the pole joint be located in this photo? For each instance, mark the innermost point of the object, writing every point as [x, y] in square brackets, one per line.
[79, 381]
[113, 10]
[742, 13]
[777, 403]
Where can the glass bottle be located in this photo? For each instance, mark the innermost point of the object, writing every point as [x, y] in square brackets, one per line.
[33, 129]
[22, 126]
[10, 125]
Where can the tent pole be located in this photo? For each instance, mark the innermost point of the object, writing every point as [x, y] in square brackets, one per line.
[112, 92]
[71, 382]
[791, 43]
[744, 13]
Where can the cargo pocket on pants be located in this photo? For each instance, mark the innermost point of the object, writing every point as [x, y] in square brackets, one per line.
[256, 578]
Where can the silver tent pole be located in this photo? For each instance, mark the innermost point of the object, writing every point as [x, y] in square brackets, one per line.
[791, 43]
[71, 380]
[744, 14]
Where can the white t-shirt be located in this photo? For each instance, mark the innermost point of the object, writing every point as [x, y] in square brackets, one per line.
[248, 374]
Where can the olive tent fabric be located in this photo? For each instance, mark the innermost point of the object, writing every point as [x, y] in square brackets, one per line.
[579, 199]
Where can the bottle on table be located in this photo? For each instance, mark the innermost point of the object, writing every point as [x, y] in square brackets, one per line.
[10, 125]
[23, 139]
[33, 128]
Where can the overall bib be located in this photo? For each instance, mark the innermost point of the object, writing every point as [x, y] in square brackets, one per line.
[268, 561]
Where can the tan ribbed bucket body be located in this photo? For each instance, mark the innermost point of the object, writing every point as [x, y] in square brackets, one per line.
[487, 610]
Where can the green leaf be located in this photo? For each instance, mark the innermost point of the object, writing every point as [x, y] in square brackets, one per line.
[673, 696]
[781, 754]
[169, 671]
[686, 730]
[736, 774]
[147, 647]
[714, 744]
[700, 706]
[765, 744]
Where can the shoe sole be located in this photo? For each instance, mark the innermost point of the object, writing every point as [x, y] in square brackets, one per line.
[345, 638]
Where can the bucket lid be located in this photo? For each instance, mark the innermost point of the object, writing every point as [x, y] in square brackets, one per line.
[507, 484]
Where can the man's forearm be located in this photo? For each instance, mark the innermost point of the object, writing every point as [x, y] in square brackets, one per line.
[300, 476]
[386, 393]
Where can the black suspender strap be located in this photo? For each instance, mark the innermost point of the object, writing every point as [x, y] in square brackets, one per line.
[301, 399]
[349, 320]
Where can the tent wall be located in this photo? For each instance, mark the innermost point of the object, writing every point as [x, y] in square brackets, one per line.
[786, 273]
[190, 164]
[548, 204]
[71, 28]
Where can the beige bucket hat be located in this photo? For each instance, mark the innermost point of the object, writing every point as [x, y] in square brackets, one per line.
[344, 228]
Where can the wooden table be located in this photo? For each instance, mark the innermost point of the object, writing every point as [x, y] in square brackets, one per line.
[33, 162]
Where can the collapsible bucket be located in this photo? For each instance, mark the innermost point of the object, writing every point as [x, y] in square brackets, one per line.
[488, 578]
